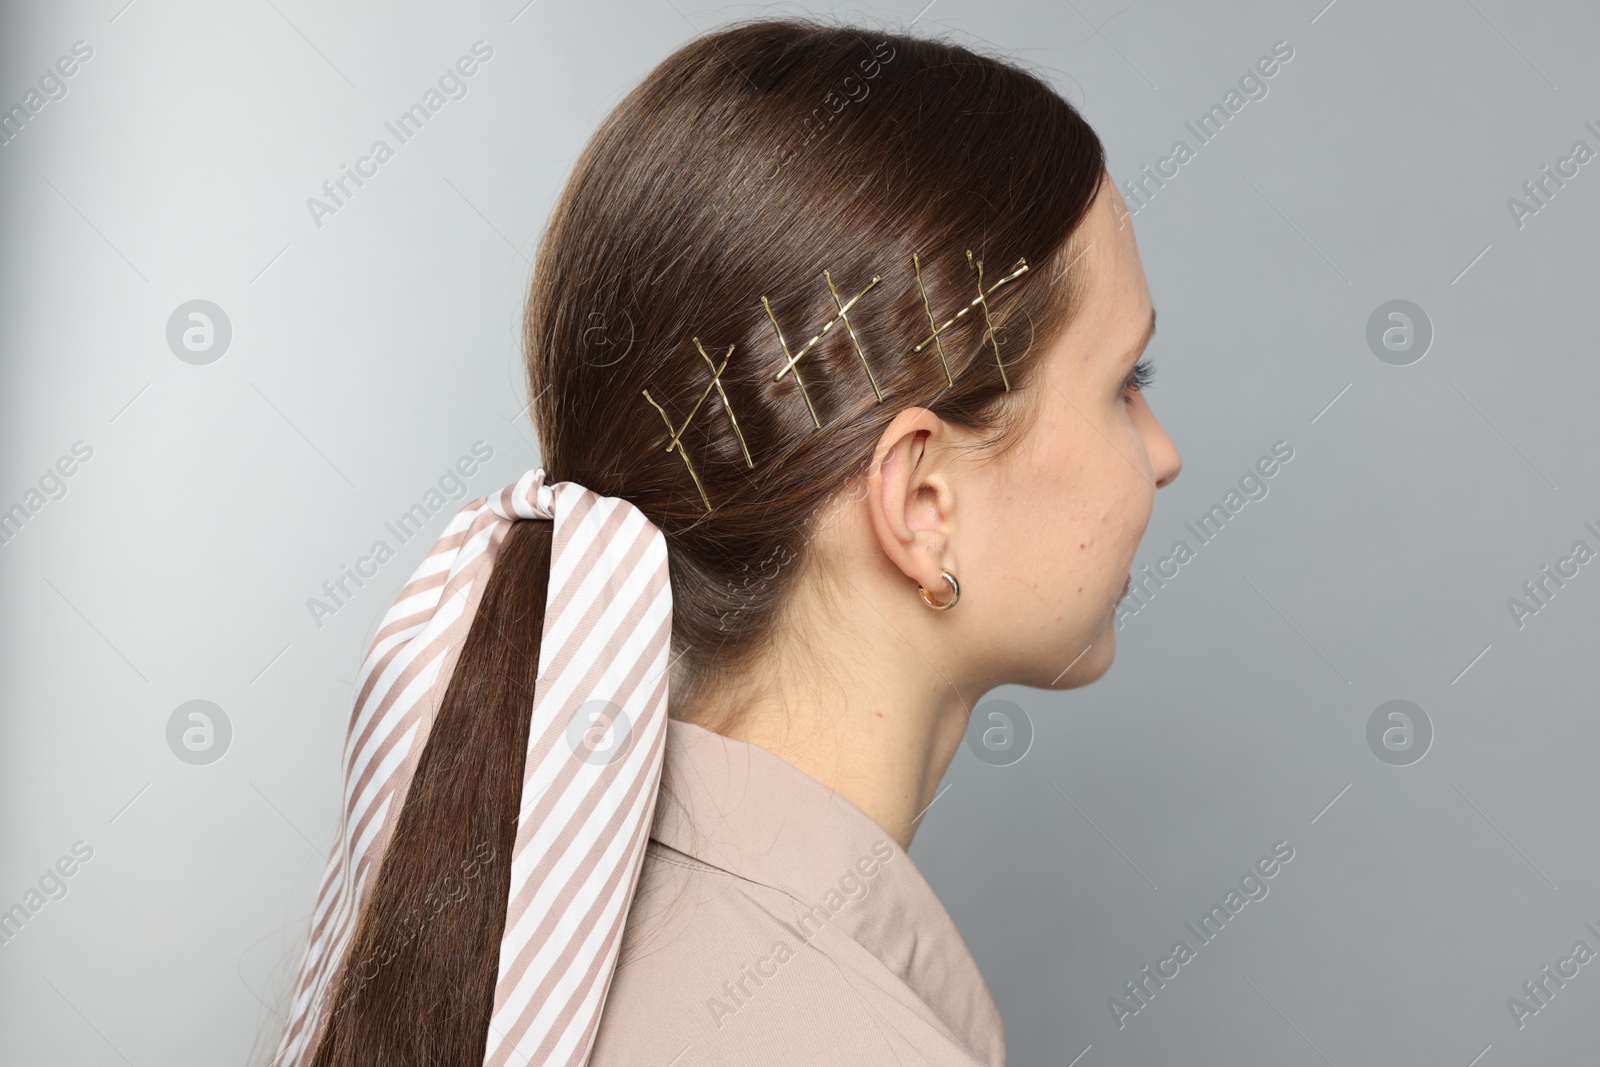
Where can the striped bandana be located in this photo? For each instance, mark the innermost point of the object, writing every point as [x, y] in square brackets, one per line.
[595, 747]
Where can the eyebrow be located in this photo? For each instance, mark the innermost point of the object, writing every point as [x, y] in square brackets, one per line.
[1149, 331]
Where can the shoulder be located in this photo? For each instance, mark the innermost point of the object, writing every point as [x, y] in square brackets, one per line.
[714, 970]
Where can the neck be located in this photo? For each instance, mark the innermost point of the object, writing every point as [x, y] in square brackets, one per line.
[883, 760]
[882, 739]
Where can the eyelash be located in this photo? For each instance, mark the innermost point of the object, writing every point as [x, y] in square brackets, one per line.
[1141, 377]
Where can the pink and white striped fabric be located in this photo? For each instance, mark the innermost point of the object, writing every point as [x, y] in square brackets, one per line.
[595, 748]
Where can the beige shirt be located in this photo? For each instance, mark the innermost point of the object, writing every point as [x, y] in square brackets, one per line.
[777, 923]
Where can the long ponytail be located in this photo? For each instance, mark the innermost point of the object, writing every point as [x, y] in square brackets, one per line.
[418, 982]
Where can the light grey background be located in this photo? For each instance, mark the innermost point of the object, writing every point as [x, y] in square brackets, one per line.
[371, 352]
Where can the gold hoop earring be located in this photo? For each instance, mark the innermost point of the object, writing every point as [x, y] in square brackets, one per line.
[955, 593]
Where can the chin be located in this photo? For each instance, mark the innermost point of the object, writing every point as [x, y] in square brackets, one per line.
[1090, 666]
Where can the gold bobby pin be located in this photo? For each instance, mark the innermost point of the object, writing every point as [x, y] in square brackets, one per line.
[794, 358]
[716, 380]
[792, 362]
[938, 345]
[978, 301]
[851, 330]
[679, 445]
[677, 434]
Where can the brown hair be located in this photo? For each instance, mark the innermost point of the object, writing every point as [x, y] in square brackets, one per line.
[744, 165]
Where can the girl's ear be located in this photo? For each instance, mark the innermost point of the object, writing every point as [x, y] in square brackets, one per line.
[910, 498]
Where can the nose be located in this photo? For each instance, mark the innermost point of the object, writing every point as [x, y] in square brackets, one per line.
[1164, 457]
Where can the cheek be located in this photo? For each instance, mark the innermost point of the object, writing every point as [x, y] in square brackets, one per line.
[1113, 495]
[1035, 518]
[1090, 489]
[1075, 503]
[1069, 522]
[1135, 489]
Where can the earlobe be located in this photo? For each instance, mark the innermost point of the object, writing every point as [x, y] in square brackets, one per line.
[955, 593]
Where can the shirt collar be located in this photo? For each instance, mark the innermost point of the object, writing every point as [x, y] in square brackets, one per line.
[737, 807]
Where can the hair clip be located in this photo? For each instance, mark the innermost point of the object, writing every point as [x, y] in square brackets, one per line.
[677, 433]
[981, 300]
[851, 330]
[916, 265]
[793, 361]
[716, 380]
